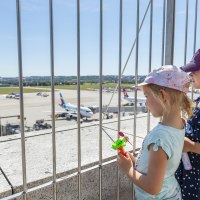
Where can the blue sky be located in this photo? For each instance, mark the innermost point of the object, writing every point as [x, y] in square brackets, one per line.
[35, 36]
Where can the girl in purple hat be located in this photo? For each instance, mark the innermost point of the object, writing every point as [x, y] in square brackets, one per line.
[153, 171]
[189, 180]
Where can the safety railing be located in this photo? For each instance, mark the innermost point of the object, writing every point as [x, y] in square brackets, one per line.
[167, 19]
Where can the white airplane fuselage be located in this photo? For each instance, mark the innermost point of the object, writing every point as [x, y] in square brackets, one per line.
[141, 101]
[84, 111]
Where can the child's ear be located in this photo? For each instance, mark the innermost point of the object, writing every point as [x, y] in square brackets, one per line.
[163, 94]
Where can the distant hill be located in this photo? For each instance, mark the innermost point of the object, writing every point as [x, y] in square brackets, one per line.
[65, 80]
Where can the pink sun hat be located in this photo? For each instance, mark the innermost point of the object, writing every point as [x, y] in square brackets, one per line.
[168, 76]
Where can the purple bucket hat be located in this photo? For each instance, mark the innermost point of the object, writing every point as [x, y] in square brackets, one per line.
[168, 76]
[194, 64]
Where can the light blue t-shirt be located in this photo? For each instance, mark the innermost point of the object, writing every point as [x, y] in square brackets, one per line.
[171, 140]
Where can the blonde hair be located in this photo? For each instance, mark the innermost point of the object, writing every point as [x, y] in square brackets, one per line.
[176, 98]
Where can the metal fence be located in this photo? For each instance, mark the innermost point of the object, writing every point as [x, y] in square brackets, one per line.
[167, 57]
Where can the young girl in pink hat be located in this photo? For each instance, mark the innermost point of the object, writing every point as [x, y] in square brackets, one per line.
[153, 171]
[189, 180]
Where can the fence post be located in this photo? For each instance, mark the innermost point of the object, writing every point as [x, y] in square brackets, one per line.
[169, 39]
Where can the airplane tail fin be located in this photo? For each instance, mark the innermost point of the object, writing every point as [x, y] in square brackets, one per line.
[62, 102]
[125, 92]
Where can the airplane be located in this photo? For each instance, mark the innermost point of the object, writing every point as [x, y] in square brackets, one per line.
[140, 101]
[84, 111]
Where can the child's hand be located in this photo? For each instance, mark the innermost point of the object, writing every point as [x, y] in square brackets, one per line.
[132, 158]
[126, 163]
[188, 145]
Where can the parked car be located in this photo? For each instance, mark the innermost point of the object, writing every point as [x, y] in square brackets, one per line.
[13, 95]
[39, 94]
[42, 94]
[45, 95]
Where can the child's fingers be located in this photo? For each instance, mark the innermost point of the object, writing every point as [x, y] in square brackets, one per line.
[124, 162]
[120, 156]
[132, 157]
[121, 159]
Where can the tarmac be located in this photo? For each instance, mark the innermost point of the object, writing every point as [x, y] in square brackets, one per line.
[38, 107]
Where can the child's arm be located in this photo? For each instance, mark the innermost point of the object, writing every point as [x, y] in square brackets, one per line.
[191, 146]
[152, 182]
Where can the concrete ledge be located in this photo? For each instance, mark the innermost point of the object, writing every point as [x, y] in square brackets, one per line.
[67, 187]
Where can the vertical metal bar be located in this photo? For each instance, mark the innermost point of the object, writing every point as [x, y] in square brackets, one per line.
[52, 97]
[78, 100]
[163, 33]
[119, 82]
[100, 96]
[186, 30]
[21, 99]
[169, 41]
[195, 27]
[163, 36]
[150, 55]
[136, 78]
[136, 73]
[195, 36]
[1, 134]
[129, 54]
[146, 11]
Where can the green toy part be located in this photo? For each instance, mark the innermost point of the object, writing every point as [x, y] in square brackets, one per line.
[119, 143]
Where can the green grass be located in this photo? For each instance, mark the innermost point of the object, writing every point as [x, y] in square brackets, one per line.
[7, 90]
[86, 86]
